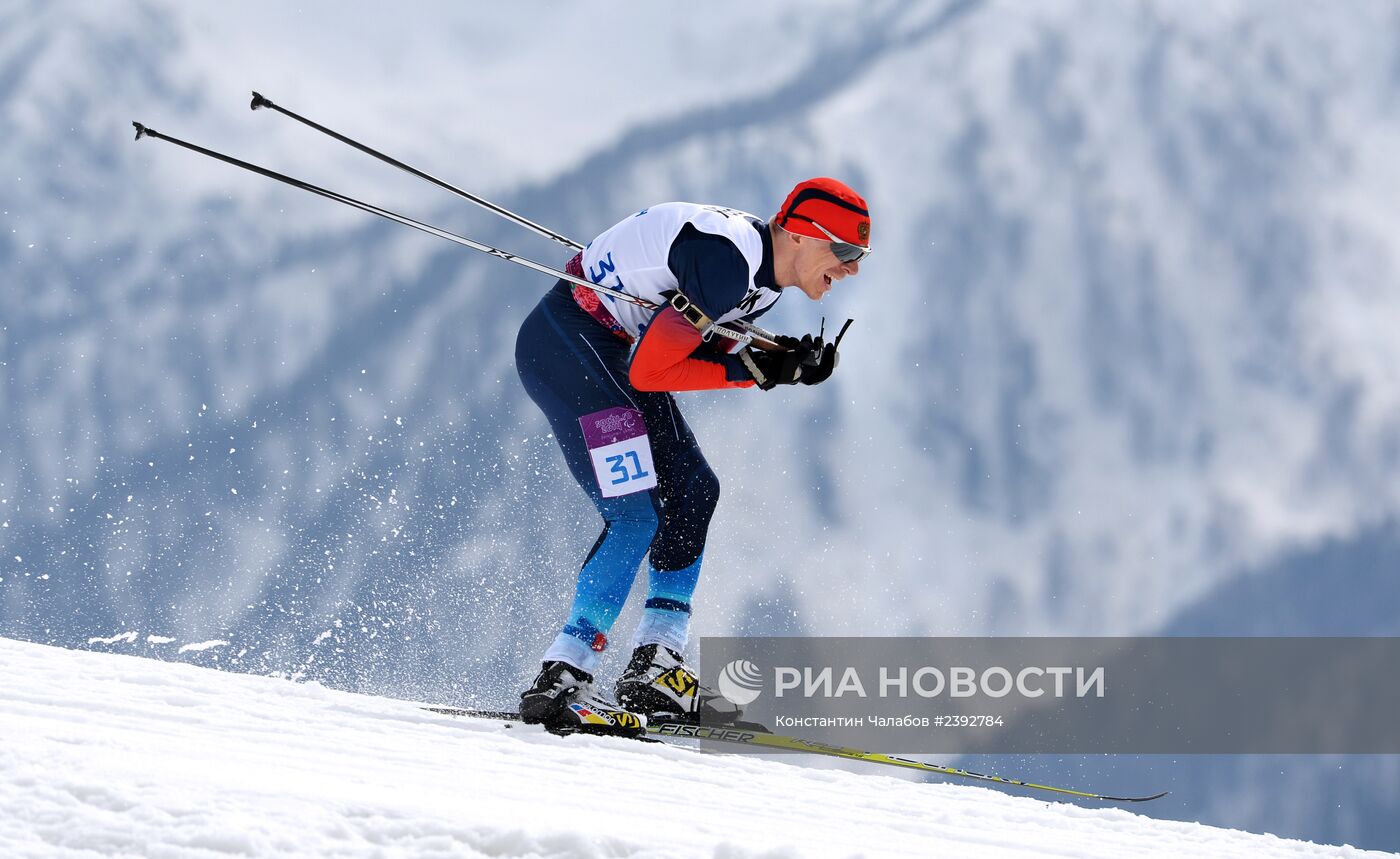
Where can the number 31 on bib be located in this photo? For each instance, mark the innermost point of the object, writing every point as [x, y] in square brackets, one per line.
[621, 452]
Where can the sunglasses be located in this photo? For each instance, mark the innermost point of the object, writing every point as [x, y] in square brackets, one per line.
[844, 251]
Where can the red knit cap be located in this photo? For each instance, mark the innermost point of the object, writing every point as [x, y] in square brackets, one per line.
[830, 203]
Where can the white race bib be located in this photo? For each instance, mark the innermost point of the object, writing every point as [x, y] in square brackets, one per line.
[621, 452]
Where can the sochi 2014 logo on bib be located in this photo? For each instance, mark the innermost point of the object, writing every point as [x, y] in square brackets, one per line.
[741, 682]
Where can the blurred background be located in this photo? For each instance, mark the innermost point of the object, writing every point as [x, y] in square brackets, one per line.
[1126, 360]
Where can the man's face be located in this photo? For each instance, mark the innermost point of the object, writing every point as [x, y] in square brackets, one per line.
[818, 268]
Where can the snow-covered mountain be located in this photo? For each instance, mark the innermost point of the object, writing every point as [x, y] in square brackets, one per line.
[1127, 341]
[111, 755]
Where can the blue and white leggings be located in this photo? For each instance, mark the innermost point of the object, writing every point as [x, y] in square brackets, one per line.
[572, 367]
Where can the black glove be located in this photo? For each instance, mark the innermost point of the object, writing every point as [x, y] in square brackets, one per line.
[770, 369]
[808, 360]
[821, 359]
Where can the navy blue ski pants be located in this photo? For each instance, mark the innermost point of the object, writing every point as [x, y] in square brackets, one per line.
[571, 367]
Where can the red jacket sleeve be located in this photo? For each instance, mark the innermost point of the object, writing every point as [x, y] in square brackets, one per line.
[663, 359]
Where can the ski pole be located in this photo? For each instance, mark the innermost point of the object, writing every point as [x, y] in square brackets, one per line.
[144, 131]
[261, 101]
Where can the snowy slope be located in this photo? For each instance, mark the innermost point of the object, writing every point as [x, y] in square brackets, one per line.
[113, 755]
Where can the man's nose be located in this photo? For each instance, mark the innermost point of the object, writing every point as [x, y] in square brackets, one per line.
[851, 267]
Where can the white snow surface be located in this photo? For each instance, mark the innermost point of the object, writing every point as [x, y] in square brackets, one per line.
[110, 755]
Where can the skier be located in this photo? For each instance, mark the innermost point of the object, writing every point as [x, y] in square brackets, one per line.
[602, 371]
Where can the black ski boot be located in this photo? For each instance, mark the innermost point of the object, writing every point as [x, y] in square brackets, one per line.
[658, 683]
[563, 699]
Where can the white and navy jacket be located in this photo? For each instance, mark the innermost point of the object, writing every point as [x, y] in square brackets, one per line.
[720, 259]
